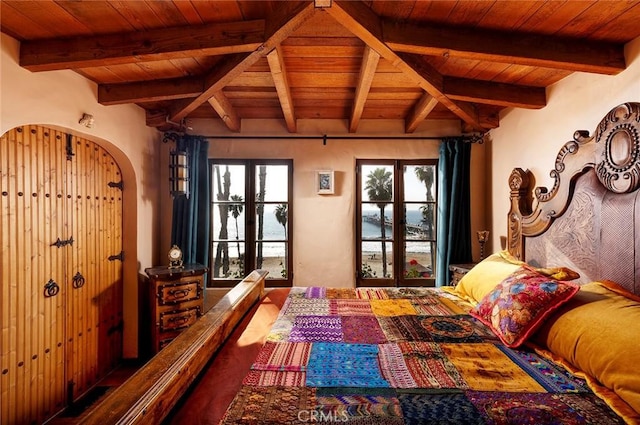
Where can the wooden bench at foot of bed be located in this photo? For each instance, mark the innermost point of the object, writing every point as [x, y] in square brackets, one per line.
[150, 394]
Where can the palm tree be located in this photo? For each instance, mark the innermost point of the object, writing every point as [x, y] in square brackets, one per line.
[260, 196]
[426, 175]
[281, 216]
[379, 187]
[222, 253]
[236, 210]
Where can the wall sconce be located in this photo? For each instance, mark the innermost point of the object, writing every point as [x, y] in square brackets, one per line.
[321, 4]
[483, 237]
[179, 173]
[86, 120]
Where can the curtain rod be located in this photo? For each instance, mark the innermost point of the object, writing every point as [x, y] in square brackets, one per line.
[475, 138]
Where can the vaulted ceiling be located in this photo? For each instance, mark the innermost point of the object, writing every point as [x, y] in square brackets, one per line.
[323, 59]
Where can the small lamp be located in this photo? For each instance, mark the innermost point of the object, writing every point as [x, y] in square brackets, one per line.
[179, 174]
[483, 237]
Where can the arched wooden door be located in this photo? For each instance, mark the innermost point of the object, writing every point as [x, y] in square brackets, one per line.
[61, 270]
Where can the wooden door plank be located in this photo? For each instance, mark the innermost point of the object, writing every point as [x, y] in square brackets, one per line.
[58, 216]
[23, 290]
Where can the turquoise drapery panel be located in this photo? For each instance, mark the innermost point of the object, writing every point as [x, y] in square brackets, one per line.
[191, 215]
[454, 216]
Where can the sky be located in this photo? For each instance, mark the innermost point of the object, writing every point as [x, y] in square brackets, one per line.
[276, 186]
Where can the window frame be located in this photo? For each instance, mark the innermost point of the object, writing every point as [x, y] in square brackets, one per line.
[398, 239]
[250, 224]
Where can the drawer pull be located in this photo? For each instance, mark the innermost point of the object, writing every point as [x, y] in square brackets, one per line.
[179, 293]
[180, 320]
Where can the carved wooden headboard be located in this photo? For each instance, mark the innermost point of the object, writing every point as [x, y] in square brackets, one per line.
[590, 219]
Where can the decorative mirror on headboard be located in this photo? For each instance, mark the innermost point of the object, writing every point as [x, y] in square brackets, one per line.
[590, 218]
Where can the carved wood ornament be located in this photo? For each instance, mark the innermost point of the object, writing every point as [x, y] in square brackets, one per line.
[612, 153]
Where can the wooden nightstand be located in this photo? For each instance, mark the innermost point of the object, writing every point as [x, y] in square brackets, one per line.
[176, 301]
[459, 270]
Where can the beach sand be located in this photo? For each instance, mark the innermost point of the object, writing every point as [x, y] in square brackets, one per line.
[370, 260]
[374, 261]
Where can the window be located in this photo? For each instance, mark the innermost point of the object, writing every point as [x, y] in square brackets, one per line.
[251, 216]
[396, 222]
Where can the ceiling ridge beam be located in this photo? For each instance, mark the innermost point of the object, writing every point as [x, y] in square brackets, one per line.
[368, 68]
[281, 81]
[278, 27]
[132, 47]
[528, 49]
[366, 25]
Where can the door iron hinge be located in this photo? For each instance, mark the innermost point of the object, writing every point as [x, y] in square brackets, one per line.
[119, 256]
[60, 243]
[118, 185]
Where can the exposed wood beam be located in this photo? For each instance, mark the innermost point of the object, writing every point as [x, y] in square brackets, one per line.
[433, 83]
[507, 47]
[419, 112]
[489, 117]
[132, 47]
[490, 93]
[149, 91]
[225, 71]
[223, 107]
[366, 25]
[287, 18]
[368, 68]
[279, 74]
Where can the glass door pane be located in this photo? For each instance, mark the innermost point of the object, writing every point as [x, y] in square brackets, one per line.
[377, 221]
[272, 219]
[418, 230]
[228, 221]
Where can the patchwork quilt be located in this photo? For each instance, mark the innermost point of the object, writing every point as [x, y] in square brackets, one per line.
[401, 356]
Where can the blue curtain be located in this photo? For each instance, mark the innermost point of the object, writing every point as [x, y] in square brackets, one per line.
[191, 215]
[454, 217]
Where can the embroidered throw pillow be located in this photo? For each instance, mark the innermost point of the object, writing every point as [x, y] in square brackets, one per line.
[516, 307]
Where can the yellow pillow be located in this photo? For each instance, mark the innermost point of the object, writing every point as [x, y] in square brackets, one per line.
[598, 332]
[483, 277]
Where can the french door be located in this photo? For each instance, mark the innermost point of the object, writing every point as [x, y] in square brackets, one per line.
[396, 222]
[251, 220]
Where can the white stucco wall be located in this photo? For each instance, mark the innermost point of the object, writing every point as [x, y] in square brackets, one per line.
[531, 139]
[58, 99]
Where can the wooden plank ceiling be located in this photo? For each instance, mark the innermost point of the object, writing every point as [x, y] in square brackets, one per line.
[350, 60]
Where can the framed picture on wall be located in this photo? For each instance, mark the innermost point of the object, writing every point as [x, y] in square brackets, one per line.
[324, 182]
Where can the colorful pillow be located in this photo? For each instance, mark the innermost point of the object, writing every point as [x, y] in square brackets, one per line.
[517, 306]
[482, 278]
[597, 332]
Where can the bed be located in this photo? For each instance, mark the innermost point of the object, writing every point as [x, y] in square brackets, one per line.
[545, 331]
